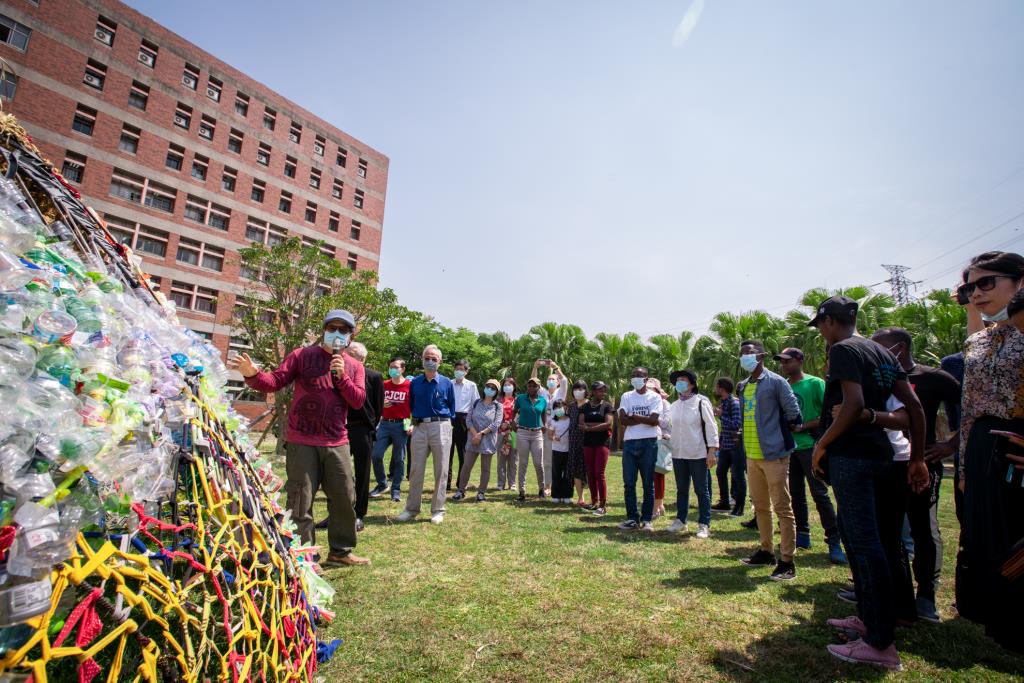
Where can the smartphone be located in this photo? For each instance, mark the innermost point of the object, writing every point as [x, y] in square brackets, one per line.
[1000, 432]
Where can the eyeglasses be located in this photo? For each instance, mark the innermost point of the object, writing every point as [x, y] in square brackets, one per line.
[985, 284]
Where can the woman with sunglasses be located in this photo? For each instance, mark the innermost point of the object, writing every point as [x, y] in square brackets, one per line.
[988, 590]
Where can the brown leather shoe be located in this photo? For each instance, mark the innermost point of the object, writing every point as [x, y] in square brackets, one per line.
[349, 560]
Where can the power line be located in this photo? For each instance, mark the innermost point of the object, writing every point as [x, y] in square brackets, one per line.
[959, 266]
[964, 244]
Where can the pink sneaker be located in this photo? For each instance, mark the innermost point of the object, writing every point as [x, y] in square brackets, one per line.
[849, 624]
[859, 652]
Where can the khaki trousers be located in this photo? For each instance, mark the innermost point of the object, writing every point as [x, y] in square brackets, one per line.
[467, 470]
[429, 438]
[310, 467]
[769, 490]
[530, 443]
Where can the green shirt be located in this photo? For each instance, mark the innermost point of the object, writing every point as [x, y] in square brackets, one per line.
[531, 413]
[810, 393]
[751, 444]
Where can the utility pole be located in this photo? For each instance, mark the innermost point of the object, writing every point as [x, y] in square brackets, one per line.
[899, 283]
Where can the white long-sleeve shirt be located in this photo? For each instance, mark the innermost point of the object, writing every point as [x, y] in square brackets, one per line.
[688, 443]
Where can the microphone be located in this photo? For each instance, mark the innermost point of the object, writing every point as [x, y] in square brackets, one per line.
[337, 350]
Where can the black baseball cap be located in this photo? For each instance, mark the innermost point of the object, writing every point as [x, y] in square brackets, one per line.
[839, 307]
[790, 353]
[598, 385]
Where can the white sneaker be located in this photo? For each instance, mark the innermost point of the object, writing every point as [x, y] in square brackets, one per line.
[438, 518]
[405, 516]
[677, 525]
[647, 526]
[703, 531]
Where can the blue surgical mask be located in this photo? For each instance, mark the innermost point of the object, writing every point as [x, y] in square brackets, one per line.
[682, 387]
[748, 362]
[460, 374]
[489, 392]
[559, 412]
[508, 388]
[394, 372]
[430, 365]
[331, 336]
[638, 382]
[552, 384]
[999, 317]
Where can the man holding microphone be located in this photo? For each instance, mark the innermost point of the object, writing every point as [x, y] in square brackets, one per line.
[327, 383]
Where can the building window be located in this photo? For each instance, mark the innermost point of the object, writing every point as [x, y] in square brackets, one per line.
[263, 154]
[314, 179]
[200, 165]
[8, 84]
[338, 189]
[259, 190]
[284, 204]
[310, 214]
[200, 254]
[334, 221]
[105, 31]
[193, 297]
[357, 201]
[213, 88]
[147, 53]
[183, 116]
[160, 196]
[361, 171]
[190, 77]
[342, 158]
[290, 166]
[242, 104]
[73, 168]
[319, 146]
[129, 141]
[207, 127]
[258, 231]
[228, 180]
[235, 141]
[206, 212]
[95, 74]
[136, 189]
[355, 229]
[353, 261]
[84, 121]
[269, 119]
[295, 134]
[138, 237]
[138, 96]
[175, 157]
[13, 33]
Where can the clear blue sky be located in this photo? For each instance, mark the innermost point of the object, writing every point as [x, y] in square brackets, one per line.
[594, 163]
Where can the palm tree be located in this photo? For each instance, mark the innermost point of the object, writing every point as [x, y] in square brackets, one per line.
[874, 311]
[511, 357]
[564, 344]
[717, 354]
[669, 352]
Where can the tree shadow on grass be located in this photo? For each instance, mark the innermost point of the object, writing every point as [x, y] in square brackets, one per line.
[730, 579]
[613, 533]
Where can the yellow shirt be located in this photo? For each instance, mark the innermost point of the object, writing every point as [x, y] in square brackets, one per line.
[751, 444]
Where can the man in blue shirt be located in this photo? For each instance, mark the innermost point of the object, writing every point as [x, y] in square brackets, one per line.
[432, 400]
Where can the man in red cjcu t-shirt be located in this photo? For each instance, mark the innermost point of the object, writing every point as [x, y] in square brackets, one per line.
[392, 431]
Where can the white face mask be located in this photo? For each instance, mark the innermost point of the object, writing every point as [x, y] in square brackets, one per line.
[638, 382]
[998, 317]
[579, 394]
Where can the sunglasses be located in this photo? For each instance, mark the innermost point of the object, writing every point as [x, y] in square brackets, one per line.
[985, 284]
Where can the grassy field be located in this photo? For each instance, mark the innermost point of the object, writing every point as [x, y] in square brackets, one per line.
[508, 591]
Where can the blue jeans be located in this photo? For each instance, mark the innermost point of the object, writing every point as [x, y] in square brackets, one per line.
[857, 484]
[697, 470]
[639, 457]
[390, 434]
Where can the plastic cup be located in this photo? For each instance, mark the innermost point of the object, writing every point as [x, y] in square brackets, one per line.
[54, 326]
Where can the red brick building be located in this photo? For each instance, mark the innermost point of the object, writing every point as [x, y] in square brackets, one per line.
[187, 158]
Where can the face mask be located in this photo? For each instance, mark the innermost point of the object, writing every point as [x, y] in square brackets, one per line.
[508, 388]
[682, 387]
[748, 361]
[579, 394]
[394, 372]
[330, 337]
[552, 384]
[999, 317]
[459, 374]
[430, 365]
[489, 392]
[638, 382]
[559, 412]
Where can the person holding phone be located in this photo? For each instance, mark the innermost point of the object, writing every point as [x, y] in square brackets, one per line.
[993, 401]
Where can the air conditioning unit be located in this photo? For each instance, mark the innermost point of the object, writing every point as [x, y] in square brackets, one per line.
[213, 94]
[206, 132]
[293, 137]
[189, 81]
[94, 80]
[319, 149]
[147, 59]
[104, 36]
[180, 120]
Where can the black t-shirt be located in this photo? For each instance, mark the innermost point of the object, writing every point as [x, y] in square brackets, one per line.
[933, 387]
[873, 367]
[594, 415]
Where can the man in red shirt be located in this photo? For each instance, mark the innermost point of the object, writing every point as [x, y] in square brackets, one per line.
[326, 383]
[392, 431]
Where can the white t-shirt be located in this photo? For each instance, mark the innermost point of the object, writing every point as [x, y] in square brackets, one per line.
[561, 430]
[641, 405]
[900, 443]
[687, 439]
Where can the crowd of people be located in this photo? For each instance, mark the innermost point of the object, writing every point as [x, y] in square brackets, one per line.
[867, 431]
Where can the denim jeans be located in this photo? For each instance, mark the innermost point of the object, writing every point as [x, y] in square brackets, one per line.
[390, 434]
[697, 470]
[799, 472]
[857, 483]
[732, 461]
[639, 457]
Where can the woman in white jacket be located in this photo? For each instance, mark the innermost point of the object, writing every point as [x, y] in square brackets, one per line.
[694, 444]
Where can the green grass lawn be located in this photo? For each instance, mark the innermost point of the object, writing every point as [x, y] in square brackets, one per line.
[508, 591]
